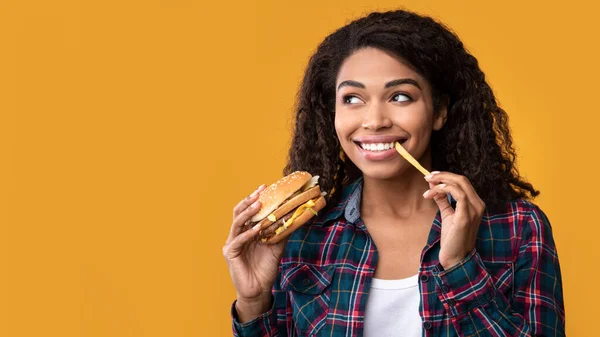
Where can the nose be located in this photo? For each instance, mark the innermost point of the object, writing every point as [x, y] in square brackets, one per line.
[376, 118]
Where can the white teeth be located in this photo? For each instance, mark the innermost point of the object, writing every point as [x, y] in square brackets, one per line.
[377, 146]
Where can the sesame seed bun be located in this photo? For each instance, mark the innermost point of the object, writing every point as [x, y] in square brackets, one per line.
[278, 192]
[299, 221]
[292, 204]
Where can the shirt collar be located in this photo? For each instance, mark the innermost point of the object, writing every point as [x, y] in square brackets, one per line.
[352, 209]
[348, 193]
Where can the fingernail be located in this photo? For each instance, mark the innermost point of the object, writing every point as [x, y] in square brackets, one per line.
[442, 185]
[256, 227]
[255, 191]
[255, 204]
[426, 192]
[429, 176]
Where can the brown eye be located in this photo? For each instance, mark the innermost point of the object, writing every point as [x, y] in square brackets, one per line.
[400, 97]
[349, 99]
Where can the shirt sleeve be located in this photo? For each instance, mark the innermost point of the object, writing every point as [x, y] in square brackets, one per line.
[272, 323]
[263, 325]
[468, 293]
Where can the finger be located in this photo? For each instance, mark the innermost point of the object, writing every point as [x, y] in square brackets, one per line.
[234, 248]
[471, 196]
[237, 226]
[242, 205]
[463, 206]
[456, 179]
[441, 200]
[464, 209]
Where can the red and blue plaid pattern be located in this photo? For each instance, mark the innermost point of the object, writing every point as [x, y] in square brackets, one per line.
[510, 284]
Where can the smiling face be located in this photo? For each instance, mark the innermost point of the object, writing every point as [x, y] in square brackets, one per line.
[380, 100]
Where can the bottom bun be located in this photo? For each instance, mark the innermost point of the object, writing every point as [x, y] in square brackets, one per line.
[299, 221]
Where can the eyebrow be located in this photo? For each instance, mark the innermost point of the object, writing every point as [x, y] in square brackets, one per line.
[350, 83]
[389, 84]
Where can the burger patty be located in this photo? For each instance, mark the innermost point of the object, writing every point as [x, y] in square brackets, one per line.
[273, 227]
[270, 231]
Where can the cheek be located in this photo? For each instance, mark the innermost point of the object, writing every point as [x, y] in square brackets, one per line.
[344, 128]
[342, 125]
[418, 123]
[347, 119]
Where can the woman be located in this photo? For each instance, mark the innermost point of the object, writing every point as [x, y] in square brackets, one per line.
[460, 252]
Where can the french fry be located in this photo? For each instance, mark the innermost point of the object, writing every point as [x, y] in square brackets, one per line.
[410, 159]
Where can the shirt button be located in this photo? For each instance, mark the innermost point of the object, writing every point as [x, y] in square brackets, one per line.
[451, 302]
[306, 282]
[424, 278]
[427, 325]
[445, 288]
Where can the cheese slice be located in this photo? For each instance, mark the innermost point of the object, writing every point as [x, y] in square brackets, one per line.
[308, 205]
[314, 181]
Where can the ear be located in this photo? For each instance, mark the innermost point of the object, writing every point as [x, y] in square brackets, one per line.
[442, 113]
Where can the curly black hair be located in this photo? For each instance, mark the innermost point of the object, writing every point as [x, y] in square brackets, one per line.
[475, 140]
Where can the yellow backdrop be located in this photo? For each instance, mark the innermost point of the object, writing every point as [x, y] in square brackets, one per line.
[129, 129]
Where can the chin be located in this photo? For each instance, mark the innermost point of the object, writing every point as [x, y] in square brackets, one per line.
[386, 171]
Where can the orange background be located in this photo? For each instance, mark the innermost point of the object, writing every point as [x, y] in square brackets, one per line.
[129, 130]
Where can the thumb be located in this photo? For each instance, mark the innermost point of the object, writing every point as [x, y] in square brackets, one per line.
[443, 204]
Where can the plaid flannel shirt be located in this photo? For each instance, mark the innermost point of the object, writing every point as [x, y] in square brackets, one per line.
[509, 285]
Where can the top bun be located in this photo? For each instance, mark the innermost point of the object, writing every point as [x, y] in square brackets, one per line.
[278, 192]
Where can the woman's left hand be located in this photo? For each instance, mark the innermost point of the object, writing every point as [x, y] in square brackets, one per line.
[460, 226]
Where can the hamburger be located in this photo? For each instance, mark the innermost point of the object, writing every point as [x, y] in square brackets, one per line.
[286, 205]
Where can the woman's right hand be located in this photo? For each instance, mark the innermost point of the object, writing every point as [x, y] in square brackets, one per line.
[253, 267]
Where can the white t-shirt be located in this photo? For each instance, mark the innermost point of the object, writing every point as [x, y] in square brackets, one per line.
[393, 308]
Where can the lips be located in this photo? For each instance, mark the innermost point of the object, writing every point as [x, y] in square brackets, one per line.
[378, 148]
[378, 143]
